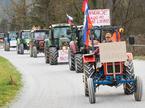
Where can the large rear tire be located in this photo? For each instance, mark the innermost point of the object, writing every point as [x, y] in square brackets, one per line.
[91, 90]
[78, 63]
[71, 57]
[34, 52]
[53, 54]
[138, 89]
[129, 74]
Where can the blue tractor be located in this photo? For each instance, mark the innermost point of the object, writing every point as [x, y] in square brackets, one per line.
[109, 64]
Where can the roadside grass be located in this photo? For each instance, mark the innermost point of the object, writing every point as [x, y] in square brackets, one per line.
[10, 81]
[139, 57]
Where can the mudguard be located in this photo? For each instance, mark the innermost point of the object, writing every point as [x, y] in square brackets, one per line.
[89, 58]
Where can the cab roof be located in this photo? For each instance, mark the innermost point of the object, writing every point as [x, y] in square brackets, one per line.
[60, 24]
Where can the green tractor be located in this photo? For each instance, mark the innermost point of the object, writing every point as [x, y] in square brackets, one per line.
[23, 40]
[10, 40]
[36, 44]
[57, 44]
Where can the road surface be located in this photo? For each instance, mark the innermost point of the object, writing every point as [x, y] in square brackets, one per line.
[47, 86]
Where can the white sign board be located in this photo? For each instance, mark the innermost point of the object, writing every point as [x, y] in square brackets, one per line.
[100, 17]
[63, 56]
[112, 52]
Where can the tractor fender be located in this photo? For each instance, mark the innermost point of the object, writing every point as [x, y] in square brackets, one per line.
[129, 56]
[89, 58]
[73, 47]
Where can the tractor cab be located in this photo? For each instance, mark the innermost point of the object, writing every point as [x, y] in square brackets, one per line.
[58, 35]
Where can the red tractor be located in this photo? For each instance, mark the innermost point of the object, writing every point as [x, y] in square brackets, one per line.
[76, 50]
[109, 64]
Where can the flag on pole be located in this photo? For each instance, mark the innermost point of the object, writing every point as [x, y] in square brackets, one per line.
[69, 19]
[87, 23]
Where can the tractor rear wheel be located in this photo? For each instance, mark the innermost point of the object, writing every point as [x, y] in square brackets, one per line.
[91, 90]
[78, 63]
[129, 74]
[138, 89]
[46, 55]
[71, 60]
[53, 53]
[34, 52]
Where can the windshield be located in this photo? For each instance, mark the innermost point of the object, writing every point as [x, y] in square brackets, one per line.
[61, 32]
[26, 35]
[97, 34]
[39, 35]
[12, 35]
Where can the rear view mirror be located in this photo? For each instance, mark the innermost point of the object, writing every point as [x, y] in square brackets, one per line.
[131, 40]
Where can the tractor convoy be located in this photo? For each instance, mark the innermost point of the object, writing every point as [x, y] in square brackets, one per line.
[102, 62]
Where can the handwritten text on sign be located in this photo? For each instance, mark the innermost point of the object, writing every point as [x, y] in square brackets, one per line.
[100, 17]
[63, 56]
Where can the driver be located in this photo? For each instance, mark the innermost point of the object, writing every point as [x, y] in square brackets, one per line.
[108, 37]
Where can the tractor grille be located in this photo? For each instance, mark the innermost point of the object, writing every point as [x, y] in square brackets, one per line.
[108, 68]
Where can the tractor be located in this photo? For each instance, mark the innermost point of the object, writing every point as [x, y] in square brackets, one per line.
[10, 40]
[23, 40]
[109, 64]
[76, 50]
[57, 44]
[2, 35]
[36, 44]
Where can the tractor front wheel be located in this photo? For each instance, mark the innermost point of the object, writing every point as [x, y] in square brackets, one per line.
[138, 89]
[53, 53]
[91, 90]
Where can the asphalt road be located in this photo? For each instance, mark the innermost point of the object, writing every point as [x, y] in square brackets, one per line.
[47, 86]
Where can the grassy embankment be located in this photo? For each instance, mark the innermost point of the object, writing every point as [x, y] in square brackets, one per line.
[10, 81]
[139, 57]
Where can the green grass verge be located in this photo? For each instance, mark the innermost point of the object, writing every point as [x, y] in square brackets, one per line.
[139, 57]
[10, 81]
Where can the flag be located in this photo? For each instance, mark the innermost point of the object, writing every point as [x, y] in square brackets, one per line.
[87, 23]
[69, 19]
